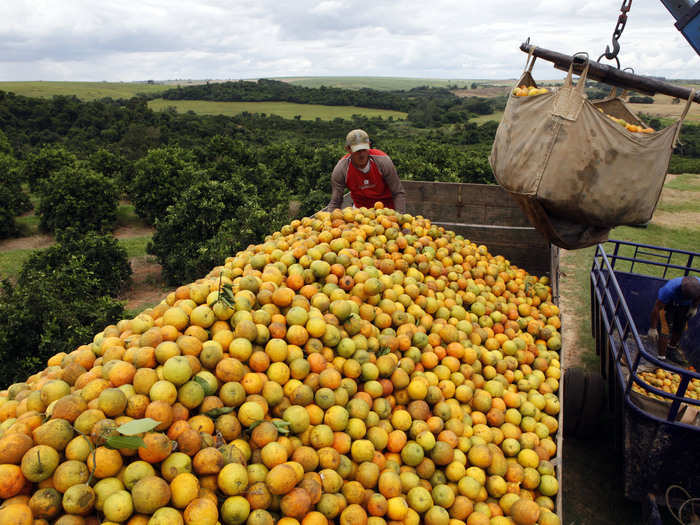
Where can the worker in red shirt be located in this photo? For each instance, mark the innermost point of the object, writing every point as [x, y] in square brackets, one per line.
[369, 174]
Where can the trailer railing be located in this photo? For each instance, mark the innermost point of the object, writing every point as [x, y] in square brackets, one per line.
[613, 323]
[657, 257]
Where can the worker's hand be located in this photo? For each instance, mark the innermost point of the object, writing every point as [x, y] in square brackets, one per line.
[653, 334]
[693, 310]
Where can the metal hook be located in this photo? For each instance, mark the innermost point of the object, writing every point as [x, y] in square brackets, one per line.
[616, 49]
[617, 33]
[617, 60]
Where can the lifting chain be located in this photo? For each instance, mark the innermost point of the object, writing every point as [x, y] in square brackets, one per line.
[621, 21]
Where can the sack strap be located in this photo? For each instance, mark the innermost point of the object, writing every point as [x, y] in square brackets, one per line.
[581, 84]
[530, 62]
[682, 117]
[613, 93]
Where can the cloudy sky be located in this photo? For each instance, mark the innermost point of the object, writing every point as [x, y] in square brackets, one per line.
[123, 40]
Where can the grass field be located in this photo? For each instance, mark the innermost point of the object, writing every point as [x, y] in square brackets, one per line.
[11, 262]
[82, 90]
[497, 115]
[94, 90]
[283, 109]
[379, 83]
[664, 109]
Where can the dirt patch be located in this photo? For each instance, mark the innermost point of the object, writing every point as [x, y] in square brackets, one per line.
[671, 196]
[147, 287]
[35, 242]
[493, 91]
[572, 348]
[128, 232]
[41, 240]
[676, 219]
[687, 218]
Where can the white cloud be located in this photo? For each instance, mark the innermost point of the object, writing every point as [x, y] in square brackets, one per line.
[159, 39]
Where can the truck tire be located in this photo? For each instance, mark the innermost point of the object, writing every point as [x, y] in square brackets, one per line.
[574, 395]
[594, 400]
[584, 396]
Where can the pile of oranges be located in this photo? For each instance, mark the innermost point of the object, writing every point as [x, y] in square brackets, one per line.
[668, 382]
[529, 91]
[634, 128]
[361, 367]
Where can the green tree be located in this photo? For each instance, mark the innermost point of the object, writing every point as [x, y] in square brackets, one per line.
[45, 162]
[50, 311]
[78, 197]
[113, 166]
[160, 178]
[13, 200]
[101, 256]
[5, 146]
[211, 221]
[641, 100]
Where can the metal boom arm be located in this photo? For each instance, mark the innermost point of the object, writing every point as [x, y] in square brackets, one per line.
[686, 13]
[611, 75]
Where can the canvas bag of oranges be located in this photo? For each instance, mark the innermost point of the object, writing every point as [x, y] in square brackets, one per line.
[572, 167]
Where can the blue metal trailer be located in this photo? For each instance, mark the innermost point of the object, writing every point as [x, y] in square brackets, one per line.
[657, 439]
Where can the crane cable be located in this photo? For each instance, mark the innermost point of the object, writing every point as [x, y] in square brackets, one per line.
[617, 33]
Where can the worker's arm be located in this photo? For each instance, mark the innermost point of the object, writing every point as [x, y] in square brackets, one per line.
[658, 316]
[391, 177]
[655, 314]
[658, 313]
[338, 185]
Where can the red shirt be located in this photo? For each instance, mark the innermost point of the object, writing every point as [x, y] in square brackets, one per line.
[368, 188]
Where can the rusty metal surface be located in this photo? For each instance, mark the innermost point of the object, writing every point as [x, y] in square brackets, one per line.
[611, 75]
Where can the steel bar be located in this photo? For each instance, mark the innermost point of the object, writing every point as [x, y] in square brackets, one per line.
[611, 75]
[678, 8]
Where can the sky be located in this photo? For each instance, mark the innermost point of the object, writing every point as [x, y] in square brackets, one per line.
[130, 40]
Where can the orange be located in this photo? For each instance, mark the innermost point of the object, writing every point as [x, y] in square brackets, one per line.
[13, 446]
[189, 441]
[104, 462]
[149, 494]
[281, 479]
[201, 511]
[296, 503]
[208, 461]
[16, 514]
[158, 447]
[258, 496]
[12, 481]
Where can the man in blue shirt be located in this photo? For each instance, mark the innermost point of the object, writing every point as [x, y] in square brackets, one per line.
[677, 301]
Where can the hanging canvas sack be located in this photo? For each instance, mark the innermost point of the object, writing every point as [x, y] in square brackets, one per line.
[576, 172]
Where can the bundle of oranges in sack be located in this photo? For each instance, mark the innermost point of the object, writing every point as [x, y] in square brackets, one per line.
[529, 91]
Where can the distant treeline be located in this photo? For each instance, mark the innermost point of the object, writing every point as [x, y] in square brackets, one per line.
[425, 106]
[274, 90]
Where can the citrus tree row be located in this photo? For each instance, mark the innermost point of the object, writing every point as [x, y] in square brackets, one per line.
[359, 367]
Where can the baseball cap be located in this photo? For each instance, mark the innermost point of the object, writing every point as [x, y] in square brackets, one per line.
[357, 139]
